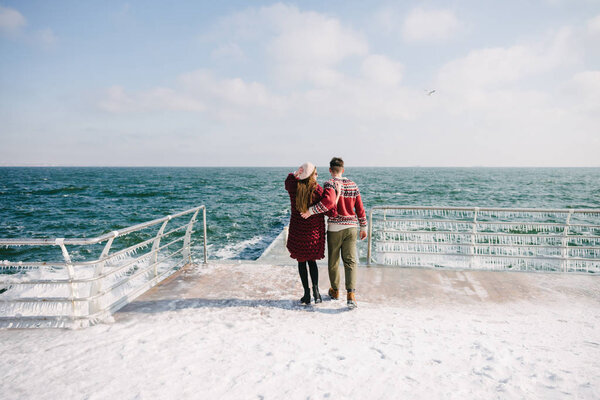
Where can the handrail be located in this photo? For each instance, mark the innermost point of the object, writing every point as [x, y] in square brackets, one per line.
[491, 234]
[535, 210]
[98, 239]
[103, 275]
[90, 289]
[484, 234]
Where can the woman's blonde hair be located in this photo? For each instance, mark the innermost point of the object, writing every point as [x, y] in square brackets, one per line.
[304, 192]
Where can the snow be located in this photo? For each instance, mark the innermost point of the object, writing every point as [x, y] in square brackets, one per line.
[235, 330]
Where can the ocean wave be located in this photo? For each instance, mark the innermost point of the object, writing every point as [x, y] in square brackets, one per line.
[234, 250]
[67, 189]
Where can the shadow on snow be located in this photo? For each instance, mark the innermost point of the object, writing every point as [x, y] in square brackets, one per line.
[158, 306]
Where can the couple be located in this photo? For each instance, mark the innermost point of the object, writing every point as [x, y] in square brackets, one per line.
[340, 200]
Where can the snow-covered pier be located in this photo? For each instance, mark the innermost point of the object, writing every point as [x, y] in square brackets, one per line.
[235, 330]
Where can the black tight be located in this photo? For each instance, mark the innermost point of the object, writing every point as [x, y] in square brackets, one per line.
[314, 273]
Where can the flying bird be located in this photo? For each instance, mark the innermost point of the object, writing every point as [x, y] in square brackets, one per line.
[430, 92]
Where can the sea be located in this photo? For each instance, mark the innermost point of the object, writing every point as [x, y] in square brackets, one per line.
[248, 207]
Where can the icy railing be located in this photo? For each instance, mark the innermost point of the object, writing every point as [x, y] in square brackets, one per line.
[75, 293]
[563, 240]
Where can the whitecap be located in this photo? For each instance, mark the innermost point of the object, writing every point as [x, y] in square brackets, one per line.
[233, 250]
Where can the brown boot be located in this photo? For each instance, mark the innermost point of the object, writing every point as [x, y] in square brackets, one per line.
[351, 300]
[334, 294]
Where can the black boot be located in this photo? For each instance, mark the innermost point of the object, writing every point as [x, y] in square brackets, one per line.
[314, 277]
[304, 278]
[306, 298]
[317, 295]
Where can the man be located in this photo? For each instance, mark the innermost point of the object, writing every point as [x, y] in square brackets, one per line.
[342, 230]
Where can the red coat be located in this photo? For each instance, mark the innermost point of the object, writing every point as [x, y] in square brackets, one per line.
[306, 239]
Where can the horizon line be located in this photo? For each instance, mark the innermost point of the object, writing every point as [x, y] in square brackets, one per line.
[284, 166]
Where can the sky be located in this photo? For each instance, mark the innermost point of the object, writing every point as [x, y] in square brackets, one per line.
[237, 83]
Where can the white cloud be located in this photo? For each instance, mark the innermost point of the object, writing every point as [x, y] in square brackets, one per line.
[301, 46]
[584, 91]
[227, 92]
[361, 101]
[432, 26]
[385, 19]
[588, 82]
[486, 110]
[11, 21]
[116, 100]
[310, 38]
[382, 70]
[489, 67]
[230, 51]
[197, 91]
[499, 66]
[309, 45]
[593, 25]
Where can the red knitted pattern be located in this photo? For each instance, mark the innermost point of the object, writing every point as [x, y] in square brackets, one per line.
[306, 239]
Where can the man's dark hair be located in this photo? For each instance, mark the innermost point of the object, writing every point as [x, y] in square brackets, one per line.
[336, 164]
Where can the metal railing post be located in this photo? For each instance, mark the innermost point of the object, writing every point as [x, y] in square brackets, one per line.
[204, 222]
[565, 242]
[96, 285]
[70, 272]
[370, 237]
[188, 237]
[473, 233]
[156, 244]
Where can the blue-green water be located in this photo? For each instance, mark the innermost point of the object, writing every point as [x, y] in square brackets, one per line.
[248, 207]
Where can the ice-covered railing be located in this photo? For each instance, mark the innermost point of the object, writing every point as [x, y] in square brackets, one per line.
[74, 291]
[563, 240]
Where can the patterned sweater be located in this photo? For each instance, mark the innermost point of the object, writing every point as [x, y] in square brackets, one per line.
[350, 209]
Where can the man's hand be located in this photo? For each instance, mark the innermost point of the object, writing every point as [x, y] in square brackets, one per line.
[306, 214]
[363, 235]
[338, 191]
[338, 187]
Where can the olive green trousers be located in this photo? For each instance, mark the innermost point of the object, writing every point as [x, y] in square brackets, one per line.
[343, 242]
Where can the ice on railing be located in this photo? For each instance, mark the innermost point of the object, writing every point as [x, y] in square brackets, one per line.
[518, 240]
[584, 252]
[549, 240]
[413, 260]
[429, 213]
[78, 290]
[407, 247]
[481, 226]
[422, 236]
[391, 247]
[479, 262]
[76, 299]
[583, 266]
[583, 241]
[6, 267]
[409, 225]
[33, 308]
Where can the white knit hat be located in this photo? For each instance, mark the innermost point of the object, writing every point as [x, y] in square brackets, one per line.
[305, 170]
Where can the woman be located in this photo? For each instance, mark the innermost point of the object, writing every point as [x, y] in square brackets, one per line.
[306, 239]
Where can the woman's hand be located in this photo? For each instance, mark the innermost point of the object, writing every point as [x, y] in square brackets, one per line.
[338, 191]
[299, 172]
